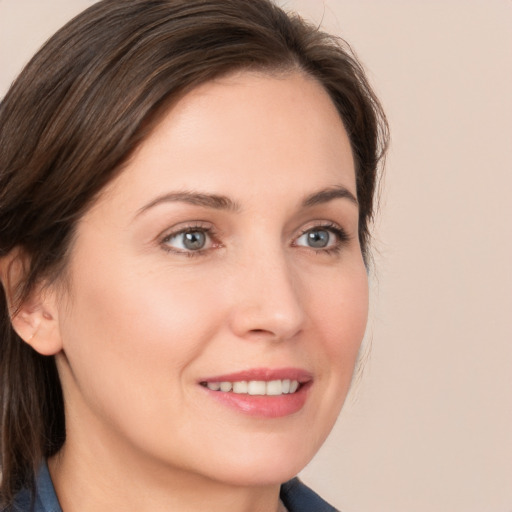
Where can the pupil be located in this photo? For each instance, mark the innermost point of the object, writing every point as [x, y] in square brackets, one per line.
[194, 240]
[318, 238]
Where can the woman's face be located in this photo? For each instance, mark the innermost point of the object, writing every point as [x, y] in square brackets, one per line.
[226, 255]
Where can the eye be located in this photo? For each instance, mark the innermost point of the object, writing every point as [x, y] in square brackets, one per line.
[322, 238]
[188, 240]
[316, 238]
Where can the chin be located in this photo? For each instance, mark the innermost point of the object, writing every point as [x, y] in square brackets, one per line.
[273, 472]
[263, 465]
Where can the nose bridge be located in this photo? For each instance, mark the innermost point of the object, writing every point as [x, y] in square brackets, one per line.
[268, 299]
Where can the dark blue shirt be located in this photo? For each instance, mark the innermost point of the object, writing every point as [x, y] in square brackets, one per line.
[295, 495]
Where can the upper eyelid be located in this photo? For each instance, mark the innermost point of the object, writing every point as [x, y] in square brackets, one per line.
[207, 226]
[319, 224]
[323, 225]
[183, 227]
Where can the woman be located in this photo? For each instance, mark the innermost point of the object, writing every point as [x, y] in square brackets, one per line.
[186, 189]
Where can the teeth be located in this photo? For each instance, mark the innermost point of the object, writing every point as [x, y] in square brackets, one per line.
[256, 387]
[225, 386]
[240, 387]
[274, 387]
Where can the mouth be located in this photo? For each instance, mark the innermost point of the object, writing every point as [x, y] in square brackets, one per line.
[255, 387]
[261, 392]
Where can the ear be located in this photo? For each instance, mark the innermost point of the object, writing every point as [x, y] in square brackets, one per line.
[35, 317]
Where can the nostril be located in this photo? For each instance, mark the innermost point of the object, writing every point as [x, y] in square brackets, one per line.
[264, 334]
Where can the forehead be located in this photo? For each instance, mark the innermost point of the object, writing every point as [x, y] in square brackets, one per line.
[246, 129]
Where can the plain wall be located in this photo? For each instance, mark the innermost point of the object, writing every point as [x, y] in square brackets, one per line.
[428, 426]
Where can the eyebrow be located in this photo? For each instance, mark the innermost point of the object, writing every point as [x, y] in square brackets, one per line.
[329, 194]
[214, 201]
[220, 202]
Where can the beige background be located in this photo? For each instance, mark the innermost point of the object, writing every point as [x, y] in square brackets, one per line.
[428, 427]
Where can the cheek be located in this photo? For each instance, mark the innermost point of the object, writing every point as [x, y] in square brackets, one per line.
[338, 313]
[340, 317]
[341, 313]
[133, 333]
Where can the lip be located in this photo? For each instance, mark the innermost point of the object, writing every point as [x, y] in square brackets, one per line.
[263, 406]
[266, 374]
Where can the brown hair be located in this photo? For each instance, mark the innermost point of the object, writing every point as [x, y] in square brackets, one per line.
[79, 109]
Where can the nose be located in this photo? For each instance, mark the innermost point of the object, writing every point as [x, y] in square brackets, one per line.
[267, 299]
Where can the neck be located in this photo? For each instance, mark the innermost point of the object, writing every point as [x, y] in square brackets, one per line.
[87, 481]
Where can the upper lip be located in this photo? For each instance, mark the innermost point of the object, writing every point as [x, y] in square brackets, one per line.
[265, 374]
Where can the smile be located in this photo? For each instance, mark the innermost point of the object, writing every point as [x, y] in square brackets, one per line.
[261, 392]
[255, 387]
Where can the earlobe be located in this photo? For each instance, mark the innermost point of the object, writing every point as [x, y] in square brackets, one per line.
[38, 327]
[34, 318]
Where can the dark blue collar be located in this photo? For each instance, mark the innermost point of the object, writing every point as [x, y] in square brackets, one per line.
[45, 499]
[295, 495]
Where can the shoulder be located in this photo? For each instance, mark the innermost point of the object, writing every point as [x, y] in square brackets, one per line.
[297, 497]
[43, 499]
[21, 503]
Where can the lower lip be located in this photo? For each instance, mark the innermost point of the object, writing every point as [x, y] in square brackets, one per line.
[264, 406]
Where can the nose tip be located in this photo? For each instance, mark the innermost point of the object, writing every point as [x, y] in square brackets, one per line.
[268, 305]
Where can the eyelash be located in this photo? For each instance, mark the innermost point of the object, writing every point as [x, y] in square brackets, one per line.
[340, 234]
[207, 230]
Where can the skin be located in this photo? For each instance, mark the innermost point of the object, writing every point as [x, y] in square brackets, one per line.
[141, 318]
